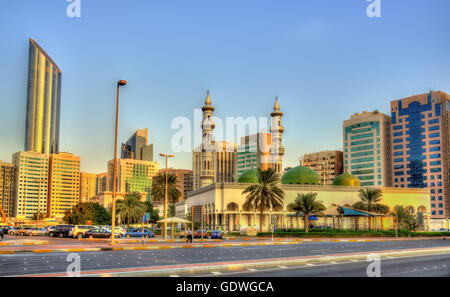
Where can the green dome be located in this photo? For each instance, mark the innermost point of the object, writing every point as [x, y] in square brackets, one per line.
[346, 179]
[301, 175]
[248, 177]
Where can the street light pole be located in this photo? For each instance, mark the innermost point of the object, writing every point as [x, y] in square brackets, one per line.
[113, 224]
[165, 196]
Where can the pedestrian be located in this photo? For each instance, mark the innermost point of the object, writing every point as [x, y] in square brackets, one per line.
[189, 235]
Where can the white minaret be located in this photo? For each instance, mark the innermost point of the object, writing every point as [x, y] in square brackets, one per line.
[207, 172]
[277, 149]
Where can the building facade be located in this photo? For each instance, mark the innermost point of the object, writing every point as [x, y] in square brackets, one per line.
[63, 184]
[7, 174]
[88, 186]
[133, 175]
[43, 102]
[254, 152]
[420, 146]
[184, 180]
[31, 184]
[367, 148]
[137, 147]
[328, 164]
[101, 182]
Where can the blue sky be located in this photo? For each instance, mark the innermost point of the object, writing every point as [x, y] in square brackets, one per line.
[325, 59]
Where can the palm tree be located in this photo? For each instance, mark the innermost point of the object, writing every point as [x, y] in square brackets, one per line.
[307, 204]
[369, 202]
[130, 208]
[266, 193]
[159, 188]
[405, 219]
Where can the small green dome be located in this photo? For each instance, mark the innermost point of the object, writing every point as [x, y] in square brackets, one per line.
[346, 179]
[301, 175]
[248, 177]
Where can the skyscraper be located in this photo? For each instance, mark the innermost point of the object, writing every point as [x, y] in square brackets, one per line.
[43, 102]
[420, 147]
[137, 147]
[184, 180]
[367, 148]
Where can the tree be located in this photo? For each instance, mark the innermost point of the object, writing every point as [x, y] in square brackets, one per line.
[159, 188]
[154, 213]
[265, 194]
[405, 219]
[307, 204]
[369, 202]
[83, 212]
[130, 208]
[171, 210]
[41, 216]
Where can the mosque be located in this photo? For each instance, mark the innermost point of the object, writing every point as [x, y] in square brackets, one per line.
[223, 205]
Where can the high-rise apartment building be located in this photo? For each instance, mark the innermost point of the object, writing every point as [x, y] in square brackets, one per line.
[420, 147]
[43, 102]
[88, 183]
[101, 183]
[137, 147]
[184, 180]
[63, 184]
[329, 164]
[7, 189]
[31, 184]
[133, 175]
[254, 152]
[367, 148]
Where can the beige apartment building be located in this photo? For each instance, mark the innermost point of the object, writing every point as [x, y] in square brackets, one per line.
[30, 184]
[63, 184]
[328, 164]
[7, 189]
[88, 183]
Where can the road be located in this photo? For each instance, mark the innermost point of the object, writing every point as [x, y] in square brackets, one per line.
[26, 264]
[422, 266]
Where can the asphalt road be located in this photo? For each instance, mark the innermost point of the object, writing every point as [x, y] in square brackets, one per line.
[422, 266]
[22, 264]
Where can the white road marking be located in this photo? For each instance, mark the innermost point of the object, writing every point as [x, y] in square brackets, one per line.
[216, 273]
[282, 266]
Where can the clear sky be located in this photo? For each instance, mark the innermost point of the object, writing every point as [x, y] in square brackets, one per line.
[325, 59]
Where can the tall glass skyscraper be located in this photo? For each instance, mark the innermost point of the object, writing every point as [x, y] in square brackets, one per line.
[420, 147]
[43, 102]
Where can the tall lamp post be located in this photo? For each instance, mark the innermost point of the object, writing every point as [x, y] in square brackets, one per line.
[167, 156]
[120, 83]
[39, 199]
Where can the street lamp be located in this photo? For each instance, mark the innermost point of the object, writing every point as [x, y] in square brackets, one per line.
[165, 197]
[120, 83]
[39, 199]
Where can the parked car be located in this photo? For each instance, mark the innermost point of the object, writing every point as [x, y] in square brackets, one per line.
[13, 231]
[35, 232]
[5, 229]
[22, 231]
[1, 234]
[137, 232]
[200, 234]
[62, 231]
[100, 233]
[216, 234]
[79, 230]
[122, 231]
[50, 230]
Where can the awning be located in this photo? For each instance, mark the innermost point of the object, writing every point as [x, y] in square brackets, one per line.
[175, 220]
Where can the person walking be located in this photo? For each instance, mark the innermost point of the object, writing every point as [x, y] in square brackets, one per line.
[189, 235]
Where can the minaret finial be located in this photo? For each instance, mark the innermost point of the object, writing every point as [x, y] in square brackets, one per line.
[208, 99]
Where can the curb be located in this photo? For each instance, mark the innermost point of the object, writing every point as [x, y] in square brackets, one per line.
[23, 243]
[139, 248]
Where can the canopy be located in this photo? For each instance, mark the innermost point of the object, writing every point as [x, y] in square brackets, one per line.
[312, 218]
[175, 220]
